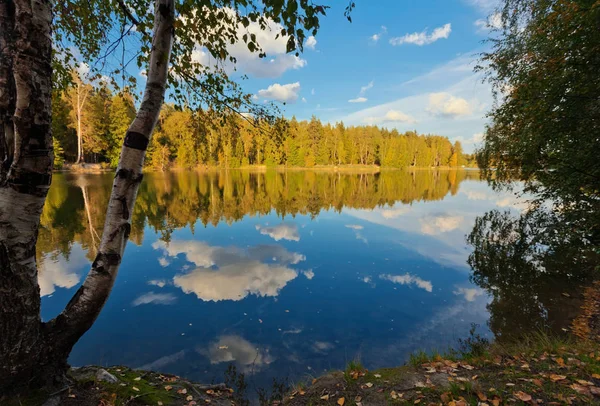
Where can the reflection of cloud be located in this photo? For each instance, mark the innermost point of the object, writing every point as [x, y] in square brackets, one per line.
[354, 226]
[240, 272]
[322, 346]
[154, 298]
[235, 282]
[408, 279]
[164, 262]
[232, 348]
[357, 233]
[309, 274]
[206, 256]
[157, 282]
[433, 225]
[60, 272]
[474, 195]
[470, 294]
[367, 279]
[284, 231]
[395, 212]
[163, 361]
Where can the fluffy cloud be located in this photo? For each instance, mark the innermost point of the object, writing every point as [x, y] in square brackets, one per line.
[284, 93]
[444, 104]
[470, 294]
[274, 65]
[233, 348]
[60, 272]
[408, 279]
[154, 298]
[473, 140]
[358, 100]
[395, 212]
[157, 282]
[309, 274]
[311, 42]
[376, 37]
[434, 225]
[361, 94]
[230, 273]
[423, 38]
[283, 231]
[493, 22]
[391, 116]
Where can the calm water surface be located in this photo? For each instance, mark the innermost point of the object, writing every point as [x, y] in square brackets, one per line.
[282, 273]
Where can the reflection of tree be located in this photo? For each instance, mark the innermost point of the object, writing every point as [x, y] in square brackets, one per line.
[531, 270]
[76, 204]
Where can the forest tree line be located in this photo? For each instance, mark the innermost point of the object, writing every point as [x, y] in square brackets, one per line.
[89, 124]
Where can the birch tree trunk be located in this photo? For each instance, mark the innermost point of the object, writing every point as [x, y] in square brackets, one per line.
[32, 353]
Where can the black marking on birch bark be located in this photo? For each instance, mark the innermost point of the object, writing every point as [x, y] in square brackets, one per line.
[164, 10]
[28, 182]
[136, 140]
[105, 259]
[124, 209]
[129, 176]
[125, 227]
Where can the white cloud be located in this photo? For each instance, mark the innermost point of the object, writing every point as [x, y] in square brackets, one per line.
[233, 348]
[164, 262]
[354, 226]
[493, 22]
[83, 69]
[484, 5]
[303, 100]
[274, 65]
[381, 33]
[322, 346]
[312, 92]
[309, 274]
[157, 282]
[364, 89]
[391, 116]
[284, 93]
[311, 42]
[358, 100]
[470, 294]
[283, 231]
[437, 224]
[473, 140]
[408, 279]
[447, 105]
[422, 38]
[154, 298]
[60, 272]
[230, 273]
[395, 212]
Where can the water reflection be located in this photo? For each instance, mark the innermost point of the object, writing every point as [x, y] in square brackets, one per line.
[283, 273]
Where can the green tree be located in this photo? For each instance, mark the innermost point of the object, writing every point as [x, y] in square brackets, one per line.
[122, 113]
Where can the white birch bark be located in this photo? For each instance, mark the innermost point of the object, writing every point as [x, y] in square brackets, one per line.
[86, 304]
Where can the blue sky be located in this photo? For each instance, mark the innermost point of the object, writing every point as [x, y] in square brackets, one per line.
[404, 64]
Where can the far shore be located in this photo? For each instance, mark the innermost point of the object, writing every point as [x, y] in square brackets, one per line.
[102, 168]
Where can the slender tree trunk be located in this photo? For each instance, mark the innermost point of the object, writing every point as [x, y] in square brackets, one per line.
[86, 304]
[32, 353]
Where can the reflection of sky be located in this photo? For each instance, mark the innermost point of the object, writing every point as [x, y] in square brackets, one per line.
[286, 297]
[437, 229]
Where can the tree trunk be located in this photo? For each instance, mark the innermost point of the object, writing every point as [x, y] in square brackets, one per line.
[32, 353]
[24, 187]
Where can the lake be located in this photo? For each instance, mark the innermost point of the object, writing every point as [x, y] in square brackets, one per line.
[285, 274]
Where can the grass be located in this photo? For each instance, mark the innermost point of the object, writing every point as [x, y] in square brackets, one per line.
[555, 370]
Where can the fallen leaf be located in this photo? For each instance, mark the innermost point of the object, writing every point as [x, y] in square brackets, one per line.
[523, 397]
[445, 397]
[301, 392]
[510, 384]
[595, 391]
[560, 362]
[71, 395]
[358, 398]
[377, 376]
[556, 378]
[461, 403]
[482, 397]
[585, 383]
[582, 390]
[537, 382]
[417, 401]
[135, 389]
[168, 387]
[182, 391]
[393, 394]
[325, 397]
[159, 403]
[369, 385]
[341, 401]
[189, 397]
[596, 376]
[138, 378]
[496, 402]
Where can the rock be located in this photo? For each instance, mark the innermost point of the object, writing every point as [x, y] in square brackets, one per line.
[53, 401]
[105, 376]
